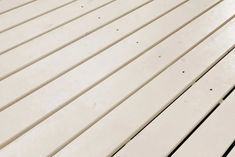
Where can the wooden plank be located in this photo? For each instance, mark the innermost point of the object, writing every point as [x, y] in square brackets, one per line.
[22, 56]
[47, 22]
[216, 134]
[120, 125]
[46, 69]
[6, 5]
[70, 32]
[113, 90]
[88, 104]
[162, 135]
[27, 12]
[85, 75]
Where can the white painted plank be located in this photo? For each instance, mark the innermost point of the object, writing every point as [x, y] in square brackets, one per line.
[216, 134]
[27, 12]
[162, 135]
[22, 56]
[7, 5]
[86, 74]
[115, 57]
[232, 153]
[80, 114]
[116, 128]
[48, 67]
[47, 22]
[70, 32]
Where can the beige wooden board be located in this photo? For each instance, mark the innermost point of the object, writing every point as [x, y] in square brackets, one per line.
[31, 99]
[10, 64]
[70, 31]
[84, 77]
[27, 12]
[216, 134]
[162, 135]
[111, 132]
[68, 34]
[84, 71]
[42, 76]
[117, 81]
[47, 22]
[7, 5]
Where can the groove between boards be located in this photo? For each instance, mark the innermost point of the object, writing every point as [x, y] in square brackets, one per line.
[17, 7]
[51, 113]
[184, 90]
[226, 96]
[69, 43]
[63, 105]
[132, 93]
[48, 115]
[219, 103]
[82, 92]
[71, 20]
[13, 26]
[50, 53]
[71, 68]
[230, 148]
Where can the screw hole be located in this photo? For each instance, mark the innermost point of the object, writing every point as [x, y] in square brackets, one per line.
[183, 71]
[211, 89]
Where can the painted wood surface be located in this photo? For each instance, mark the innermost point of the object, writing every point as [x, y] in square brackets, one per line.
[97, 78]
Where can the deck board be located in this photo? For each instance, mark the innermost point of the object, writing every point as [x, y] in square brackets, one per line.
[215, 134]
[27, 12]
[65, 37]
[46, 66]
[7, 5]
[173, 125]
[43, 24]
[106, 136]
[34, 98]
[23, 61]
[116, 78]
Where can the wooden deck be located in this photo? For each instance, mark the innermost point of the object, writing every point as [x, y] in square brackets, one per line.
[122, 78]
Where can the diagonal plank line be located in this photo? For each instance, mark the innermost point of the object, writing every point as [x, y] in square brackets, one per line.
[16, 7]
[71, 20]
[34, 18]
[71, 68]
[131, 93]
[200, 123]
[63, 105]
[80, 37]
[232, 146]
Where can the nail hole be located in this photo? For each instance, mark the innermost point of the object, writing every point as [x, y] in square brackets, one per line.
[137, 42]
[117, 29]
[211, 89]
[159, 56]
[183, 71]
[82, 6]
[99, 17]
